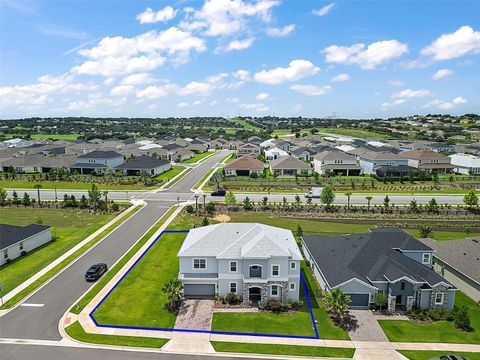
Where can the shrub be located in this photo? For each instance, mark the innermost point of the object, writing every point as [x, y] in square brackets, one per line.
[189, 209]
[232, 299]
[277, 306]
[462, 319]
[210, 207]
[23, 253]
[115, 207]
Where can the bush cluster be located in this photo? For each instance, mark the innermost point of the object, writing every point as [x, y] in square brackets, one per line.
[277, 306]
[460, 317]
[231, 299]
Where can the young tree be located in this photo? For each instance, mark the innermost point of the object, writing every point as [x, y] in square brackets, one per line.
[381, 299]
[348, 194]
[3, 196]
[73, 201]
[205, 221]
[94, 196]
[298, 201]
[413, 206]
[173, 290]
[336, 302]
[83, 202]
[26, 200]
[425, 231]
[284, 202]
[15, 199]
[38, 187]
[265, 203]
[369, 199]
[115, 207]
[309, 200]
[210, 207]
[105, 194]
[230, 198]
[247, 204]
[471, 199]
[144, 177]
[432, 205]
[327, 196]
[386, 202]
[299, 231]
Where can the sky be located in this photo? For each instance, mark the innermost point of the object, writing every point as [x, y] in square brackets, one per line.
[350, 59]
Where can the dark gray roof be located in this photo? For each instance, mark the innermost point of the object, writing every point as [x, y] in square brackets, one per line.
[12, 234]
[99, 154]
[301, 150]
[143, 162]
[171, 146]
[374, 256]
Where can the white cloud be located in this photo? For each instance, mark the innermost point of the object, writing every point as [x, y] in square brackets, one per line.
[232, 100]
[375, 54]
[213, 103]
[449, 46]
[396, 102]
[92, 102]
[182, 105]
[122, 90]
[323, 10]
[442, 73]
[446, 105]
[311, 90]
[236, 45]
[243, 75]
[395, 82]
[137, 79]
[256, 107]
[155, 92]
[279, 32]
[197, 88]
[297, 107]
[296, 70]
[409, 94]
[340, 77]
[228, 17]
[149, 16]
[262, 96]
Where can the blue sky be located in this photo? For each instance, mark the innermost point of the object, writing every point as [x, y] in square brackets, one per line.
[238, 57]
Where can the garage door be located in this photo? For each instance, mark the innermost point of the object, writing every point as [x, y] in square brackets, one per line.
[199, 290]
[358, 300]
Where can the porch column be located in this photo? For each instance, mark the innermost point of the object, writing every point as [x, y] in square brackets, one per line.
[391, 304]
[409, 303]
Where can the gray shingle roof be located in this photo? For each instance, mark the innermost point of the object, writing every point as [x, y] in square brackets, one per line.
[374, 256]
[12, 234]
[143, 162]
[99, 154]
[289, 163]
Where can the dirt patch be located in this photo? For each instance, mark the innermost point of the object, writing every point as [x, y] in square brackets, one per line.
[222, 218]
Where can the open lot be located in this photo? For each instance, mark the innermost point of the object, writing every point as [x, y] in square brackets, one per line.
[438, 331]
[71, 227]
[198, 157]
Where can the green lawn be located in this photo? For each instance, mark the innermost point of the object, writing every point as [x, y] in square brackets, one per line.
[170, 174]
[438, 331]
[296, 323]
[73, 185]
[426, 355]
[71, 137]
[272, 349]
[76, 331]
[198, 157]
[143, 285]
[71, 227]
[245, 124]
[200, 182]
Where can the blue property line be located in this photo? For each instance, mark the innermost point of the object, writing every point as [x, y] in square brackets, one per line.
[192, 330]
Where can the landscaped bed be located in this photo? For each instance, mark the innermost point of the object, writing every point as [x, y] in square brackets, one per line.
[316, 351]
[437, 331]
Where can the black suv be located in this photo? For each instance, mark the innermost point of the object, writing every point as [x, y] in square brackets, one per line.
[95, 271]
[218, 192]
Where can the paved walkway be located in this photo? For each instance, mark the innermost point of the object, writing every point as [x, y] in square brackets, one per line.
[195, 314]
[366, 327]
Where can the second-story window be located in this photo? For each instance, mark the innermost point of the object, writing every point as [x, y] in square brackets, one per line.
[275, 270]
[233, 266]
[426, 258]
[199, 264]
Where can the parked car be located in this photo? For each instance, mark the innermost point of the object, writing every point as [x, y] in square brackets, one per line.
[218, 193]
[95, 272]
[449, 357]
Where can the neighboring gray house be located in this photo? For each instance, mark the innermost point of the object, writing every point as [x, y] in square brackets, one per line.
[289, 165]
[371, 161]
[98, 160]
[441, 147]
[304, 153]
[249, 149]
[337, 162]
[36, 163]
[459, 262]
[14, 240]
[254, 261]
[384, 260]
[149, 164]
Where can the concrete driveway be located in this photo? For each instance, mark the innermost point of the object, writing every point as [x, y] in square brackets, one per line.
[367, 327]
[195, 314]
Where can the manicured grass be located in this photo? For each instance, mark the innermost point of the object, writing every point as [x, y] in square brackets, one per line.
[56, 136]
[438, 331]
[272, 349]
[76, 332]
[73, 185]
[144, 284]
[170, 174]
[41, 280]
[200, 182]
[198, 157]
[245, 124]
[426, 355]
[116, 268]
[71, 227]
[359, 133]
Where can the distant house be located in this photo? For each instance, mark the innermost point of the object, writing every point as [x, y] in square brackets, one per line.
[267, 144]
[255, 140]
[15, 143]
[387, 162]
[459, 262]
[387, 260]
[304, 153]
[254, 261]
[335, 161]
[274, 153]
[441, 147]
[428, 161]
[282, 144]
[466, 163]
[249, 149]
[182, 155]
[288, 165]
[244, 166]
[197, 147]
[98, 160]
[36, 163]
[146, 163]
[18, 240]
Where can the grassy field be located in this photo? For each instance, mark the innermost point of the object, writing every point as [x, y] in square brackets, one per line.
[71, 137]
[437, 331]
[144, 284]
[245, 124]
[73, 185]
[170, 174]
[71, 227]
[76, 331]
[198, 157]
[426, 355]
[272, 349]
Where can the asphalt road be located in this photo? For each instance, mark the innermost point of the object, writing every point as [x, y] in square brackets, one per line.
[59, 294]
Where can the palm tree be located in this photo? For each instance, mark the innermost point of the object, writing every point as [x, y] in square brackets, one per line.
[336, 302]
[348, 194]
[38, 187]
[369, 198]
[173, 290]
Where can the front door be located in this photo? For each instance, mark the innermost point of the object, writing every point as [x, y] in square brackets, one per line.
[255, 294]
[398, 300]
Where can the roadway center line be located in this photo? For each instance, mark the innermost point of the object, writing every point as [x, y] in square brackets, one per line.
[32, 305]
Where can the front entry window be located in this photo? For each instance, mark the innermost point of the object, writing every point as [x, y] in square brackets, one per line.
[274, 290]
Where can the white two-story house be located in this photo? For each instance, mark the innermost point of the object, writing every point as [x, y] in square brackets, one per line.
[254, 261]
